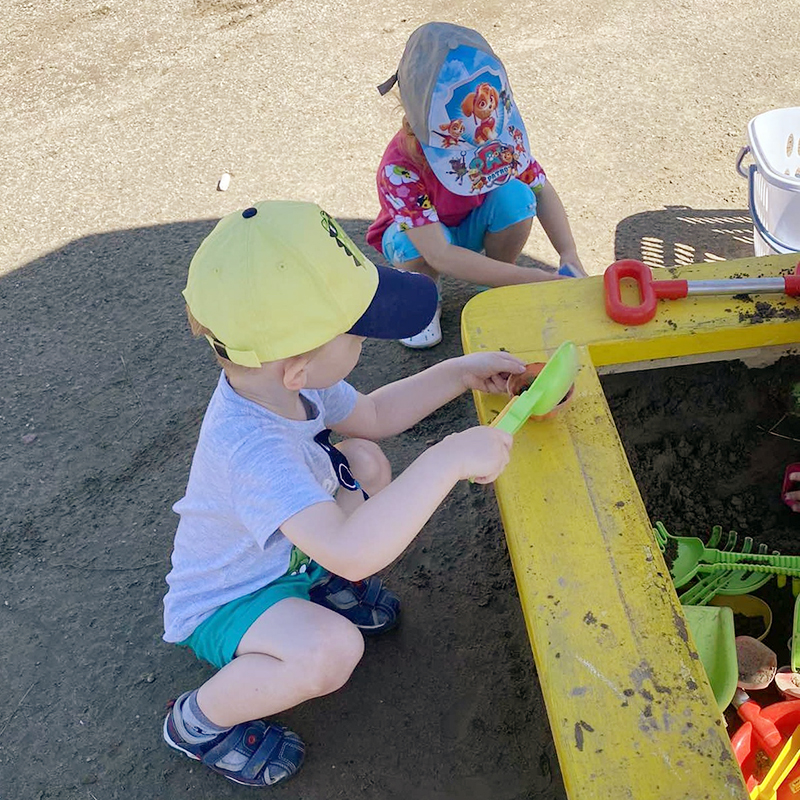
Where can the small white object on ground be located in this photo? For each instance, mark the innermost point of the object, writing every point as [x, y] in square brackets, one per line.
[224, 182]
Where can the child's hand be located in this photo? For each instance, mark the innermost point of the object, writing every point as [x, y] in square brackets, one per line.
[488, 372]
[573, 263]
[480, 453]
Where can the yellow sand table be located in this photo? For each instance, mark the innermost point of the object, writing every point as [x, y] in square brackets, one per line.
[631, 711]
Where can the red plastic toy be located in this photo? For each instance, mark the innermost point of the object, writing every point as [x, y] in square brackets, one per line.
[788, 484]
[755, 757]
[650, 291]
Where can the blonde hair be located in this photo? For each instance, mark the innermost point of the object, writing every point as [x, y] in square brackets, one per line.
[198, 329]
[410, 145]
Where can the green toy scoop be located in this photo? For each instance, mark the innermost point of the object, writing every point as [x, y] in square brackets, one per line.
[548, 389]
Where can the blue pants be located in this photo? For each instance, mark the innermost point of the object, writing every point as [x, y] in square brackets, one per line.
[503, 207]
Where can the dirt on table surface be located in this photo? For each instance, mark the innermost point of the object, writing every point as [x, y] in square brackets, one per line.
[118, 120]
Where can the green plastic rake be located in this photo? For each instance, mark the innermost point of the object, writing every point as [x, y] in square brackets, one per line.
[731, 579]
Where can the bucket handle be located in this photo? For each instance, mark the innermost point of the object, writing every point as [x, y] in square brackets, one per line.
[742, 153]
[776, 244]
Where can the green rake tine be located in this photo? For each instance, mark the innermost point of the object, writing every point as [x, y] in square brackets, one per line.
[704, 590]
[716, 535]
[730, 543]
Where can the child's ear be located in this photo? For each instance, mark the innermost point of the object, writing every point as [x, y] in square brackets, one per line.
[295, 375]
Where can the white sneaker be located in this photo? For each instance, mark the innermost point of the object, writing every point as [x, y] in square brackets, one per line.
[429, 337]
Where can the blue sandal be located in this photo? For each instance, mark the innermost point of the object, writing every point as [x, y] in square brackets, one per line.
[273, 753]
[367, 604]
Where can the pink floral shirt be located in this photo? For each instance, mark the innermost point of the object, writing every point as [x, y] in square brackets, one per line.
[412, 196]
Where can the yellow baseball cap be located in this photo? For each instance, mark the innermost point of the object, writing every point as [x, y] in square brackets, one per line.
[281, 278]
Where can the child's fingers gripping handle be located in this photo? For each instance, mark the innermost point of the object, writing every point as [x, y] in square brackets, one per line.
[495, 473]
[495, 457]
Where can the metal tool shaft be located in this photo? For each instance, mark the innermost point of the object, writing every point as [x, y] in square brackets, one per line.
[737, 286]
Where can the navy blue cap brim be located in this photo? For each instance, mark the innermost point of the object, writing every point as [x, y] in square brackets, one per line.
[404, 305]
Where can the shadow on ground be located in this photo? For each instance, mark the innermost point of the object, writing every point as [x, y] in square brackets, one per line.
[103, 396]
[678, 235]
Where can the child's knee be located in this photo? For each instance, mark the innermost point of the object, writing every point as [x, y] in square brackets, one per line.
[510, 204]
[516, 193]
[332, 658]
[369, 465]
[414, 265]
[398, 248]
[402, 253]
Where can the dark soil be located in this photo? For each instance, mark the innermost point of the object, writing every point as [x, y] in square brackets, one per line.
[103, 400]
[708, 444]
[745, 625]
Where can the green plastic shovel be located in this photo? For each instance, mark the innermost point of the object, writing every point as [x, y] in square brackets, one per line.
[548, 389]
[713, 633]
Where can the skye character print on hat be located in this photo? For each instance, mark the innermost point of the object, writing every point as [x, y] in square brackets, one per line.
[474, 128]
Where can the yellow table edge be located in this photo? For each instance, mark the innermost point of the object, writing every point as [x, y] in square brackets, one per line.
[630, 708]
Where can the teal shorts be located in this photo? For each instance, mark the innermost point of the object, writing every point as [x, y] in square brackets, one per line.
[215, 639]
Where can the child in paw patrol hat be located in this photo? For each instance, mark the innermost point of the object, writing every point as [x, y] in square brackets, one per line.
[457, 185]
[281, 531]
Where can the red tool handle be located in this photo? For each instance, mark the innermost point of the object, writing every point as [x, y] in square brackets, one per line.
[649, 292]
[791, 283]
[764, 728]
[788, 484]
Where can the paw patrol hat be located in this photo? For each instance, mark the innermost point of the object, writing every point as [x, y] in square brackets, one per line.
[458, 101]
[282, 278]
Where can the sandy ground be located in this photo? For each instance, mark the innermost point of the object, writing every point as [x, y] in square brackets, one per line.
[117, 121]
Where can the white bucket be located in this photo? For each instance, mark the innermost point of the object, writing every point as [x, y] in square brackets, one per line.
[774, 180]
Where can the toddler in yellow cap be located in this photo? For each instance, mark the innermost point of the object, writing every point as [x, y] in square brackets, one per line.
[281, 532]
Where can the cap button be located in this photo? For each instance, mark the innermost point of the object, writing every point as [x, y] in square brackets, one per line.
[249, 212]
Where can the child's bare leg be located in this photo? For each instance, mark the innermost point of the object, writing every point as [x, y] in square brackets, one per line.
[293, 652]
[506, 245]
[370, 468]
[368, 603]
[418, 265]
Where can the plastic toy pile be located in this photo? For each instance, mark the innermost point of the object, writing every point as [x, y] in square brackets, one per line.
[715, 583]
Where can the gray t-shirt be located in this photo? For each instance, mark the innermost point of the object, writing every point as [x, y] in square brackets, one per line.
[251, 471]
